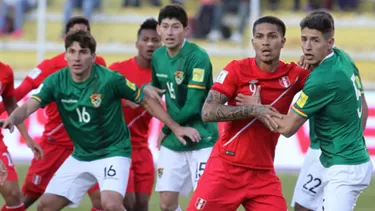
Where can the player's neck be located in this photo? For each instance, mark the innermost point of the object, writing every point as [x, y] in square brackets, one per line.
[267, 67]
[172, 52]
[143, 62]
[83, 77]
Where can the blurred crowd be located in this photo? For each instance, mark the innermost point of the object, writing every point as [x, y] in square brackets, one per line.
[211, 14]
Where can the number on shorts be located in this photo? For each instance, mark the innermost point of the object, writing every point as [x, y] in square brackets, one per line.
[110, 172]
[200, 169]
[312, 186]
[10, 163]
[83, 116]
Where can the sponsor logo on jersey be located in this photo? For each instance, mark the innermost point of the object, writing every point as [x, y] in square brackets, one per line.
[131, 85]
[160, 172]
[302, 100]
[223, 74]
[179, 77]
[160, 75]
[284, 81]
[37, 179]
[34, 73]
[69, 101]
[200, 203]
[198, 75]
[96, 100]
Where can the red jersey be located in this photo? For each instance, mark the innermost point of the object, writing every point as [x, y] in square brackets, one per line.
[6, 88]
[138, 120]
[247, 142]
[54, 130]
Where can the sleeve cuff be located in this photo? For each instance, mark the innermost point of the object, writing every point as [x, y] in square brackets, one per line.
[299, 112]
[196, 86]
[166, 130]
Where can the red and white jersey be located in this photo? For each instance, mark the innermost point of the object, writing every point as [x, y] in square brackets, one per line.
[138, 120]
[248, 142]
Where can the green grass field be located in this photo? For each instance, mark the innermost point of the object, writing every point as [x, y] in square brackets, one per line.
[288, 179]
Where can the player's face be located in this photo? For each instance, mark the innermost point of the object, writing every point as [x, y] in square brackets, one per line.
[148, 41]
[172, 32]
[267, 42]
[315, 46]
[79, 59]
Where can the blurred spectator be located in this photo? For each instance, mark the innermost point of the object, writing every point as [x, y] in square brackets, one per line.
[273, 4]
[137, 3]
[13, 23]
[311, 4]
[86, 5]
[347, 5]
[240, 7]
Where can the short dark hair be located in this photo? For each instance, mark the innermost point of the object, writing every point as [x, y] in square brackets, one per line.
[271, 20]
[85, 40]
[173, 11]
[150, 23]
[76, 20]
[319, 22]
[324, 13]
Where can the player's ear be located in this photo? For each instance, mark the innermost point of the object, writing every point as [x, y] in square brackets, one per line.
[283, 40]
[137, 44]
[158, 29]
[186, 31]
[331, 42]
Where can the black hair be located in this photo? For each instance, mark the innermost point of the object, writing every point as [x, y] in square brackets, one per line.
[324, 13]
[271, 20]
[319, 22]
[85, 40]
[173, 11]
[150, 23]
[76, 20]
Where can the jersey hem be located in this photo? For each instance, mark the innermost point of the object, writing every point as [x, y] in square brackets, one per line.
[345, 162]
[245, 165]
[189, 148]
[96, 157]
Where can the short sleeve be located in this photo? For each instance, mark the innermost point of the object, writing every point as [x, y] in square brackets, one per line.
[358, 82]
[227, 81]
[45, 93]
[9, 88]
[200, 73]
[37, 75]
[315, 95]
[123, 88]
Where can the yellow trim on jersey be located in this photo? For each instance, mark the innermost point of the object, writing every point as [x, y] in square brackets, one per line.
[196, 86]
[362, 91]
[138, 94]
[36, 98]
[299, 112]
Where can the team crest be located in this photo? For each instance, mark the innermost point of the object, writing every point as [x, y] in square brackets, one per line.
[200, 203]
[284, 81]
[160, 172]
[96, 100]
[179, 77]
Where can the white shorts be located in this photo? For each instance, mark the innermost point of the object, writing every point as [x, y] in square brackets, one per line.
[309, 187]
[180, 171]
[74, 178]
[343, 184]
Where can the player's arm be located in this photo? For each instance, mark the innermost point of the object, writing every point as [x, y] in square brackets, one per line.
[315, 95]
[364, 112]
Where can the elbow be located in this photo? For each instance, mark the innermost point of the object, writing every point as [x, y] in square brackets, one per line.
[206, 114]
[288, 133]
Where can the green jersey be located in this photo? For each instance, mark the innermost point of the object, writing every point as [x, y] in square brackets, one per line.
[91, 111]
[187, 77]
[332, 95]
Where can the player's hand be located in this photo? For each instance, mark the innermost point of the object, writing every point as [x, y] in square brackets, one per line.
[130, 104]
[3, 173]
[160, 139]
[302, 62]
[37, 150]
[154, 93]
[183, 132]
[244, 100]
[265, 114]
[7, 124]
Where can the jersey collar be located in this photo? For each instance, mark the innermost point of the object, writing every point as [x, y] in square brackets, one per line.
[328, 56]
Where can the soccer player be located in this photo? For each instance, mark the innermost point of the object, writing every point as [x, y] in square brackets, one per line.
[138, 70]
[240, 169]
[308, 192]
[55, 141]
[9, 188]
[332, 95]
[88, 98]
[185, 71]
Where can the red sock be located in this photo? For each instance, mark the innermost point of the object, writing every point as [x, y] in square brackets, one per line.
[14, 208]
[94, 209]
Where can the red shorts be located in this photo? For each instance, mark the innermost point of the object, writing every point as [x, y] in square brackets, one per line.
[41, 171]
[141, 174]
[8, 162]
[224, 187]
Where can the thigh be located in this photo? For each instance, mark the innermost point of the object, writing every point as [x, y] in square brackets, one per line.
[173, 172]
[41, 171]
[71, 181]
[309, 187]
[219, 188]
[197, 162]
[264, 192]
[144, 171]
[8, 162]
[111, 173]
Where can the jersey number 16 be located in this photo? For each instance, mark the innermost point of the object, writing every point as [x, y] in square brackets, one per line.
[83, 116]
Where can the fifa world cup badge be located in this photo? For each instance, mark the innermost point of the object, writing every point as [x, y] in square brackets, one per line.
[179, 77]
[96, 100]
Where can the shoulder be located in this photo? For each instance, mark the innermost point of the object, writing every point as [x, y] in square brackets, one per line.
[159, 52]
[295, 69]
[46, 64]
[100, 60]
[197, 52]
[238, 65]
[5, 68]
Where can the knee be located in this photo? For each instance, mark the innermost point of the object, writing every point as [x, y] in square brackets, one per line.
[43, 205]
[298, 207]
[112, 205]
[95, 200]
[141, 206]
[12, 196]
[130, 206]
[164, 206]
